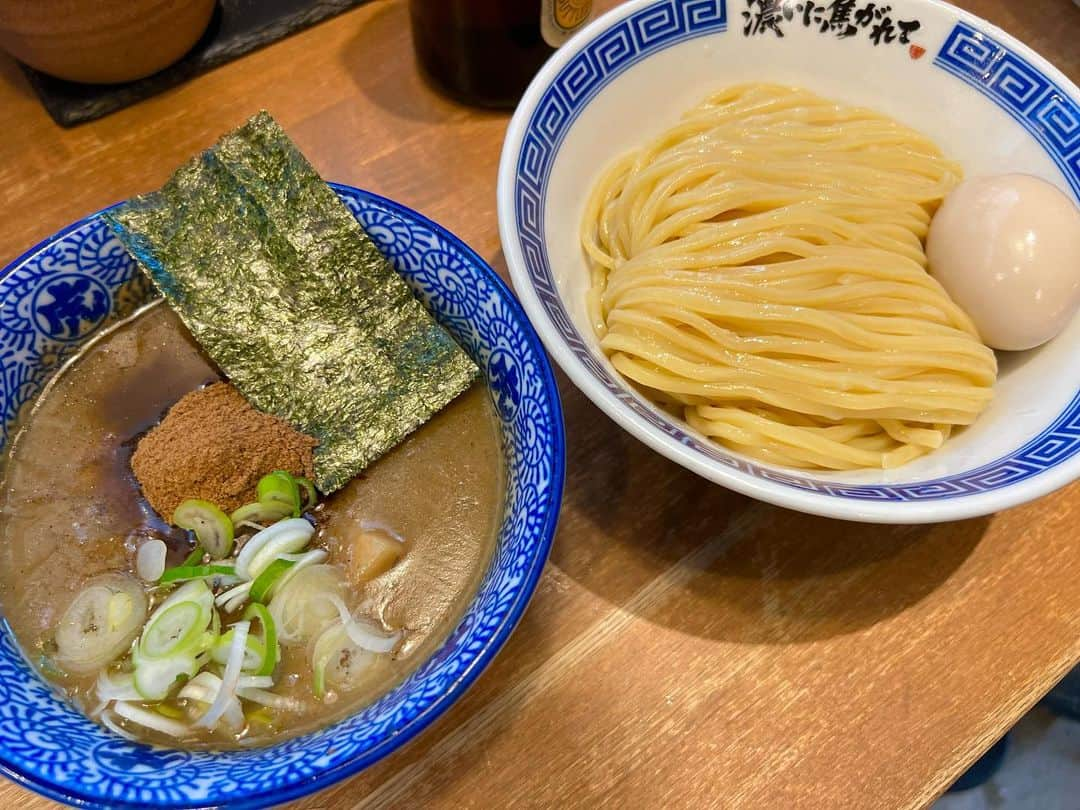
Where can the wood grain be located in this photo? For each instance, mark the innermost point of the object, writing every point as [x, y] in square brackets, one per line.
[687, 647]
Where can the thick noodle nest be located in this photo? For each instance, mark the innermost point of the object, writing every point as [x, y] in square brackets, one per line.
[759, 269]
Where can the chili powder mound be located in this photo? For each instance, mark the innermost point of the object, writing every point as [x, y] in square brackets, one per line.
[213, 445]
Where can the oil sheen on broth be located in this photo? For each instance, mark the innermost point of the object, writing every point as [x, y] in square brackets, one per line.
[71, 509]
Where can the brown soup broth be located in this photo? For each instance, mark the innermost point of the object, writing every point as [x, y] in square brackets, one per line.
[71, 509]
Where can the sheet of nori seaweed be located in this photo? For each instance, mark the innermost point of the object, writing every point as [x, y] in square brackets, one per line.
[285, 291]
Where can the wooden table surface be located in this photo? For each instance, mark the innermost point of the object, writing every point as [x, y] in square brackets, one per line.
[686, 646]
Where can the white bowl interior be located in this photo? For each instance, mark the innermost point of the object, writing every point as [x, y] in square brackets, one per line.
[1033, 387]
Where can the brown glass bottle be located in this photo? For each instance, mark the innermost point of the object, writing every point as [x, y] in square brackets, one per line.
[484, 52]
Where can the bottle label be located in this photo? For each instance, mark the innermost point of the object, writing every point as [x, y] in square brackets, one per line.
[561, 18]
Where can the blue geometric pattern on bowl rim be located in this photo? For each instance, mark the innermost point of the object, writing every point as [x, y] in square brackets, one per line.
[56, 296]
[1031, 97]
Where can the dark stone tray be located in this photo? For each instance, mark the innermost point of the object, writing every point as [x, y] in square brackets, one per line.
[238, 27]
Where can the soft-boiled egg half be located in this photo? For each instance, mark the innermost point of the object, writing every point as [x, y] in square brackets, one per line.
[1007, 250]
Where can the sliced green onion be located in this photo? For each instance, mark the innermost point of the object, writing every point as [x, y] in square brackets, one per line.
[268, 637]
[300, 608]
[265, 581]
[269, 699]
[368, 636]
[204, 688]
[313, 556]
[254, 655]
[173, 631]
[195, 591]
[362, 632]
[311, 497]
[150, 560]
[284, 537]
[319, 660]
[212, 526]
[178, 624]
[232, 599]
[109, 721]
[120, 686]
[263, 513]
[227, 596]
[183, 573]
[337, 661]
[255, 682]
[169, 711]
[151, 720]
[195, 557]
[100, 623]
[155, 678]
[280, 487]
[229, 677]
[203, 658]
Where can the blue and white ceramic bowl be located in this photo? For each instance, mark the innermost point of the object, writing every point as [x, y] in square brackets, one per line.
[89, 281]
[988, 101]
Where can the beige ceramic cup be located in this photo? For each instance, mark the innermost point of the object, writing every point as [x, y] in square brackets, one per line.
[100, 41]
